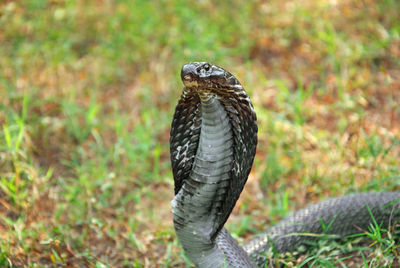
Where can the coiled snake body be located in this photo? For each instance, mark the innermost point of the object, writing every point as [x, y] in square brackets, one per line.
[213, 143]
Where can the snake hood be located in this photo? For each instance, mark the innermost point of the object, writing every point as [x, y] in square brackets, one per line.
[204, 81]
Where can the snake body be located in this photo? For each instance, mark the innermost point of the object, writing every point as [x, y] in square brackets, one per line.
[212, 146]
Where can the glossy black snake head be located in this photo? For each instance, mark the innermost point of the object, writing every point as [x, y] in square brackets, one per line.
[204, 75]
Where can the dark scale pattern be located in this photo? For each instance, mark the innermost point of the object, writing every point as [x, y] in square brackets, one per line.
[244, 126]
[236, 256]
[344, 215]
[184, 135]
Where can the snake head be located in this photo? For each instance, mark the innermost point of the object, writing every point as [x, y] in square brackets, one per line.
[202, 75]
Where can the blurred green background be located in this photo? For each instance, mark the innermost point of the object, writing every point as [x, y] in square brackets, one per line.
[87, 93]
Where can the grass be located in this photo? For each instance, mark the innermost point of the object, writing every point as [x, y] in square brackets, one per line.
[87, 92]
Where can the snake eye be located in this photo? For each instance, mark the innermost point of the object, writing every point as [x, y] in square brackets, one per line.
[206, 67]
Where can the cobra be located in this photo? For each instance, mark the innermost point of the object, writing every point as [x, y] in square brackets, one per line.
[212, 147]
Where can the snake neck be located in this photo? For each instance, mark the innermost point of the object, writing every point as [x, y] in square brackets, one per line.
[197, 204]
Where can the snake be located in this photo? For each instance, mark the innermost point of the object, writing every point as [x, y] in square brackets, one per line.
[213, 141]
